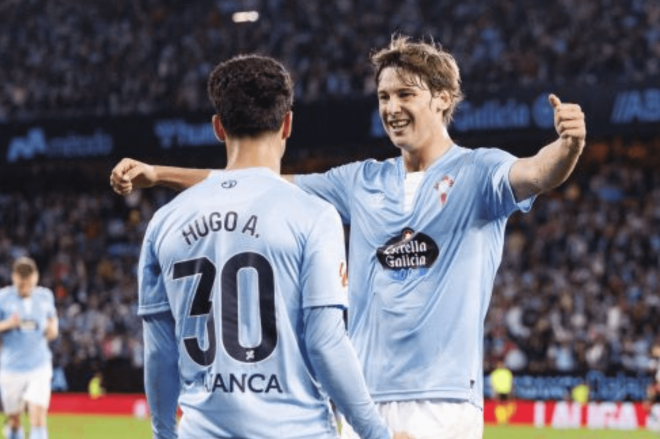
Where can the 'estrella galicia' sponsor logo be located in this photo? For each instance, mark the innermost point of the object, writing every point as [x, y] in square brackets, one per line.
[228, 184]
[409, 250]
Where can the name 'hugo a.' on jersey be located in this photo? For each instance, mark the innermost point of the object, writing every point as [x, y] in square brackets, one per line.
[409, 250]
[204, 225]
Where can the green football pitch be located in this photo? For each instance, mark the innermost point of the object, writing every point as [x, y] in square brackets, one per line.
[515, 432]
[104, 427]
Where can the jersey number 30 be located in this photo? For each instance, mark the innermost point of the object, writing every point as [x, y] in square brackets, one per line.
[202, 306]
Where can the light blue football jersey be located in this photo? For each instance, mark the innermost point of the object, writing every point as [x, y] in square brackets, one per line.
[235, 259]
[420, 282]
[26, 348]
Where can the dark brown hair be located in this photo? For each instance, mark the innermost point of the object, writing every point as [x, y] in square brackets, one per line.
[251, 94]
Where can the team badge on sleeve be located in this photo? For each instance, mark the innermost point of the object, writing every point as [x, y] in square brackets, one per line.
[343, 274]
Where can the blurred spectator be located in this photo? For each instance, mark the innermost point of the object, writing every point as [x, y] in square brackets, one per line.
[501, 380]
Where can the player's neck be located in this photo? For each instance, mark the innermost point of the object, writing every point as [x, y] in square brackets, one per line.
[422, 158]
[25, 294]
[265, 151]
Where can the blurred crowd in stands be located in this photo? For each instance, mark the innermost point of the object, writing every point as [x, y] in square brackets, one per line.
[67, 58]
[579, 285]
[578, 289]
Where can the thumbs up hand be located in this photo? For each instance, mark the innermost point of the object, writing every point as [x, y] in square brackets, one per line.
[569, 123]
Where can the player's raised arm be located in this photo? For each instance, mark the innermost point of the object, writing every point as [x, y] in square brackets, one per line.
[131, 174]
[552, 165]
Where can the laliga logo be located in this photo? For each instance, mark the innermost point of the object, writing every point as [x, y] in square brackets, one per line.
[504, 412]
[343, 274]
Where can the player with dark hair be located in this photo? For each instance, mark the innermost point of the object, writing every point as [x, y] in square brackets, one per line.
[426, 238]
[28, 321]
[243, 301]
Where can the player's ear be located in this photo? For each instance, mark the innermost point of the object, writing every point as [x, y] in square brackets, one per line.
[218, 130]
[442, 101]
[287, 125]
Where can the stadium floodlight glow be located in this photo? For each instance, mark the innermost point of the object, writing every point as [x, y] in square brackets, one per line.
[245, 16]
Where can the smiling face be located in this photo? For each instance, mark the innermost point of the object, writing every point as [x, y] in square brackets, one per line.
[412, 116]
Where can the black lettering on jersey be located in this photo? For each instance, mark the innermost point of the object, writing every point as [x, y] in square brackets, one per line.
[410, 249]
[273, 384]
[230, 221]
[202, 226]
[216, 221]
[255, 383]
[218, 383]
[250, 226]
[189, 233]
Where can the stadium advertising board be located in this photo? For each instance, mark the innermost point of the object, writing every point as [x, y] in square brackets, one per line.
[601, 387]
[565, 414]
[484, 118]
[562, 414]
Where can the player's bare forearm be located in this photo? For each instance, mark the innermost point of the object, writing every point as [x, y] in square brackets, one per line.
[131, 174]
[52, 329]
[179, 178]
[553, 164]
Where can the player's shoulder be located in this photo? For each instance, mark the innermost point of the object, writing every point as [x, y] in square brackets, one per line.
[481, 157]
[302, 201]
[42, 292]
[5, 292]
[371, 168]
[490, 153]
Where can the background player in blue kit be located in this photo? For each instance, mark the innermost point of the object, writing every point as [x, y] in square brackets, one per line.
[243, 301]
[28, 321]
[426, 238]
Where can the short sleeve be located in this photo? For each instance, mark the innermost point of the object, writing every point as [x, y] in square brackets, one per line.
[496, 164]
[51, 310]
[323, 271]
[3, 301]
[334, 186]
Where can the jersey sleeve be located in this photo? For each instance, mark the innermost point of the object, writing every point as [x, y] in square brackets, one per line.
[324, 262]
[152, 295]
[496, 165]
[334, 186]
[3, 301]
[161, 373]
[51, 311]
[334, 360]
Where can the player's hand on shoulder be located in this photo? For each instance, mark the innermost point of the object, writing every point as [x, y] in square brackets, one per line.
[402, 435]
[569, 122]
[131, 174]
